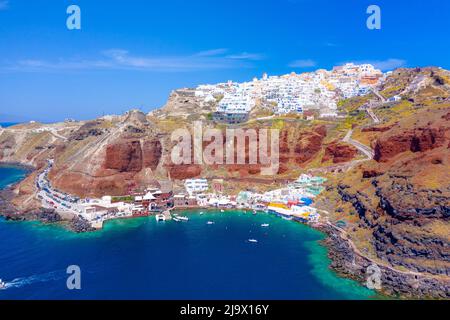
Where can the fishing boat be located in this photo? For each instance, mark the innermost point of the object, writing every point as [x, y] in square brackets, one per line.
[160, 217]
[265, 225]
[253, 240]
[2, 285]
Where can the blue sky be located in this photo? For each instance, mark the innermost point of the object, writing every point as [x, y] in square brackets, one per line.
[131, 54]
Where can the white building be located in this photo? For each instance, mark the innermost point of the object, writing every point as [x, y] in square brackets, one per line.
[196, 185]
[294, 93]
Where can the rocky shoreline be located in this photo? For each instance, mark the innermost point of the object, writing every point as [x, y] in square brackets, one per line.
[49, 216]
[404, 285]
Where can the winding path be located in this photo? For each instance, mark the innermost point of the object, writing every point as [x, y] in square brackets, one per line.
[367, 151]
[358, 145]
[374, 117]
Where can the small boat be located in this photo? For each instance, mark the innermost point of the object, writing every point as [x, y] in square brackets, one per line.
[183, 218]
[2, 285]
[210, 222]
[201, 213]
[160, 217]
[222, 210]
[176, 219]
[254, 212]
[265, 225]
[253, 240]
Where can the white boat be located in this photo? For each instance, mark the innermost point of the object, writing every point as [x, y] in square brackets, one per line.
[183, 218]
[2, 285]
[160, 217]
[176, 219]
[222, 210]
[201, 213]
[253, 240]
[265, 225]
[210, 222]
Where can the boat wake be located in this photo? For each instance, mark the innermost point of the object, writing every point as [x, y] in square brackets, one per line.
[45, 277]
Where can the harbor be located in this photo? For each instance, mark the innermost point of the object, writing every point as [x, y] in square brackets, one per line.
[292, 202]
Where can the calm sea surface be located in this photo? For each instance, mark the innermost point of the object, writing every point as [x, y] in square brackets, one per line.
[143, 259]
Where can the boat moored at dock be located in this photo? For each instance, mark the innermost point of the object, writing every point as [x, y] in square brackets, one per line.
[160, 217]
[296, 212]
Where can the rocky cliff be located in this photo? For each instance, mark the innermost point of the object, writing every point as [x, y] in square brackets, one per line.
[402, 198]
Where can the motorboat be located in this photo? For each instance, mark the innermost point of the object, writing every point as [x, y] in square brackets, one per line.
[253, 240]
[183, 218]
[2, 285]
[210, 222]
[176, 219]
[265, 225]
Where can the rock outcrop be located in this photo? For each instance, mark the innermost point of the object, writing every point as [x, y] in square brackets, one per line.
[417, 140]
[339, 152]
[124, 156]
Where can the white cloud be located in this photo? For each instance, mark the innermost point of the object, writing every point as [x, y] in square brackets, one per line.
[389, 64]
[306, 63]
[212, 52]
[122, 59]
[246, 56]
[4, 5]
[384, 65]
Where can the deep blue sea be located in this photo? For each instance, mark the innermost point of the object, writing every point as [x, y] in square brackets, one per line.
[7, 124]
[143, 259]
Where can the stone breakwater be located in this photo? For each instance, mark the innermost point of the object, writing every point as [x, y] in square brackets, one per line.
[403, 284]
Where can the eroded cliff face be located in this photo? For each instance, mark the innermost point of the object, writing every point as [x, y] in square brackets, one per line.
[125, 156]
[416, 140]
[117, 154]
[298, 146]
[339, 153]
[406, 207]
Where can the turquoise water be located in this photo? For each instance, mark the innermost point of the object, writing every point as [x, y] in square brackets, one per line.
[143, 259]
